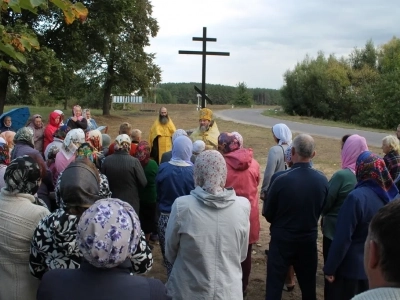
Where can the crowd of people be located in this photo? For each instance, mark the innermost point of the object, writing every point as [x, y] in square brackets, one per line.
[78, 210]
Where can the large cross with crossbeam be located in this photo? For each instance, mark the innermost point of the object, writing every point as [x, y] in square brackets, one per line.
[204, 54]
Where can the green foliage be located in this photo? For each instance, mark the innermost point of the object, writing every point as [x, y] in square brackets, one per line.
[219, 94]
[361, 89]
[243, 97]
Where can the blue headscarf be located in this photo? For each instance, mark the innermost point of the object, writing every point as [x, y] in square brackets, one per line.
[182, 150]
[371, 172]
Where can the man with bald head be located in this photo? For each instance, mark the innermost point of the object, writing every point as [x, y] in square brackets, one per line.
[161, 135]
[294, 203]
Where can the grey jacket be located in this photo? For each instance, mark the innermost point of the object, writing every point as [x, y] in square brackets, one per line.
[18, 220]
[275, 163]
[206, 239]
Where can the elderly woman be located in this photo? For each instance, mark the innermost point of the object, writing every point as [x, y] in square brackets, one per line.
[244, 177]
[51, 128]
[207, 235]
[148, 193]
[67, 153]
[77, 120]
[108, 235]
[344, 267]
[124, 172]
[91, 123]
[4, 162]
[36, 123]
[23, 141]
[54, 241]
[166, 157]
[391, 149]
[276, 158]
[340, 185]
[174, 179]
[19, 215]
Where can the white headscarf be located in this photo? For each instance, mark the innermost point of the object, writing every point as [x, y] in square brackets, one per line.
[178, 132]
[74, 138]
[282, 133]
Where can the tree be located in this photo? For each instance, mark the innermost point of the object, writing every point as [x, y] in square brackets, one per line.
[109, 47]
[17, 37]
[243, 96]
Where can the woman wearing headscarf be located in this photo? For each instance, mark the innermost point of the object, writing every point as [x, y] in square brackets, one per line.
[148, 193]
[36, 123]
[4, 162]
[8, 136]
[19, 215]
[124, 172]
[243, 175]
[166, 157]
[23, 144]
[276, 160]
[91, 123]
[95, 139]
[67, 153]
[108, 235]
[340, 185]
[207, 235]
[51, 128]
[54, 241]
[344, 267]
[77, 120]
[391, 148]
[58, 139]
[174, 179]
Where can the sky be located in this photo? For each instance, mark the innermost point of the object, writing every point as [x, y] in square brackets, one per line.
[264, 37]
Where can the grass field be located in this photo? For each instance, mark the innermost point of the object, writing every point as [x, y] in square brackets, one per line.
[260, 139]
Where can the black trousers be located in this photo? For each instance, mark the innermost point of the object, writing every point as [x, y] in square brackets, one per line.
[342, 288]
[303, 256]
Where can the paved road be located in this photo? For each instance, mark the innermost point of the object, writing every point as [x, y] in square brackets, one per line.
[254, 117]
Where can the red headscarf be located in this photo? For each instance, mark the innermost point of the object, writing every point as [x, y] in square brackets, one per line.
[143, 153]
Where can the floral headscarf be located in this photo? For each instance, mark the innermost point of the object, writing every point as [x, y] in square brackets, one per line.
[371, 171]
[24, 135]
[288, 154]
[108, 233]
[4, 154]
[239, 138]
[178, 132]
[95, 139]
[210, 171]
[22, 176]
[85, 151]
[73, 140]
[143, 152]
[228, 142]
[282, 133]
[122, 142]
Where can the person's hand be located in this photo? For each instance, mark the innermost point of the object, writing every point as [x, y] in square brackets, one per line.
[330, 278]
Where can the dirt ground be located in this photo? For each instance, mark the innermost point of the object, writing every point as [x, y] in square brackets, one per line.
[260, 139]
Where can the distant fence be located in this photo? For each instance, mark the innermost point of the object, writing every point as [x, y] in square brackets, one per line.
[127, 99]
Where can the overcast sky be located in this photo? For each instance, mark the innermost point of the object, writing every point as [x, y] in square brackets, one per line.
[264, 37]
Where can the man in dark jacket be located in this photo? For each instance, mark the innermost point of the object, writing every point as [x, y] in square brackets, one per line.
[295, 199]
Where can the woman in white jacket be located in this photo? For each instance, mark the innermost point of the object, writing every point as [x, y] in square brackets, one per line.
[207, 235]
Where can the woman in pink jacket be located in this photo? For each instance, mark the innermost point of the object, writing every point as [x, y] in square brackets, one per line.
[244, 177]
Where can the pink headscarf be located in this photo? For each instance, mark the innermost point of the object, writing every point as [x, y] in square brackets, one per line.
[352, 148]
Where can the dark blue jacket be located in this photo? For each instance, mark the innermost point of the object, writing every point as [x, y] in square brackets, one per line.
[294, 203]
[89, 283]
[346, 254]
[172, 182]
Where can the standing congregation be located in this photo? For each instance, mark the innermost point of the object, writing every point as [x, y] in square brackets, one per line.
[78, 211]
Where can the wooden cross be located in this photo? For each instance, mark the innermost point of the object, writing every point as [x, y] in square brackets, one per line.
[204, 54]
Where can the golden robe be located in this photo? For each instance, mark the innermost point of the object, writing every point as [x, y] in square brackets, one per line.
[164, 134]
[210, 137]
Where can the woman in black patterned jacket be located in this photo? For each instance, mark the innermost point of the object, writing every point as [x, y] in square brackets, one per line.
[54, 244]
